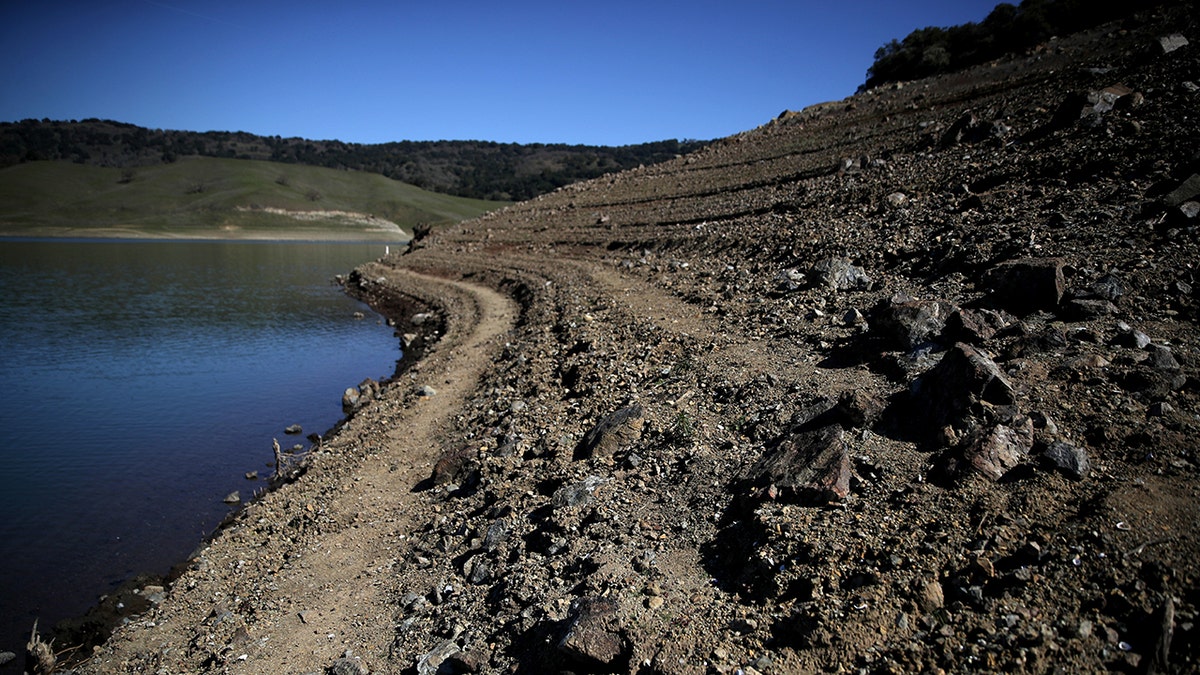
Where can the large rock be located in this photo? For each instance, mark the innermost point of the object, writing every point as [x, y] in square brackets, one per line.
[810, 466]
[1026, 285]
[997, 450]
[964, 376]
[594, 636]
[613, 434]
[974, 326]
[906, 323]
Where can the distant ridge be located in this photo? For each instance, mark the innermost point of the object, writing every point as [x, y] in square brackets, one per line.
[474, 169]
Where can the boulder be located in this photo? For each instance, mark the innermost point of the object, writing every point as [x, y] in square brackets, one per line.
[1026, 285]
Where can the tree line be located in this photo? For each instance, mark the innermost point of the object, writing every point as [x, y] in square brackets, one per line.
[478, 169]
[1008, 29]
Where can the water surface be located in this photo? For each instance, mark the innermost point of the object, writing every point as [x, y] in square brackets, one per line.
[139, 382]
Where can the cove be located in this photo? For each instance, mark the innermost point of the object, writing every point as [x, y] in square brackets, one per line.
[140, 381]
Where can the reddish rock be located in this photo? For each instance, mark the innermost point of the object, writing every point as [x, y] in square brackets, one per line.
[997, 450]
[806, 466]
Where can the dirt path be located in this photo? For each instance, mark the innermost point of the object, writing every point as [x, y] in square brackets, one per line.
[292, 598]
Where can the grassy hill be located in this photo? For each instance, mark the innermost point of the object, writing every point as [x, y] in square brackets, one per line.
[475, 169]
[212, 197]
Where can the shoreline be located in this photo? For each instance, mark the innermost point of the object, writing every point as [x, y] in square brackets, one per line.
[130, 598]
[118, 235]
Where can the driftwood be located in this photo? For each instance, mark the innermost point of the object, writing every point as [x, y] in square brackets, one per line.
[39, 656]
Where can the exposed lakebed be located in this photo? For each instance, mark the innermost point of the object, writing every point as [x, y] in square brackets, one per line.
[140, 382]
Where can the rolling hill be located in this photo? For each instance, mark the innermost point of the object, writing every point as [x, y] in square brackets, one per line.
[205, 197]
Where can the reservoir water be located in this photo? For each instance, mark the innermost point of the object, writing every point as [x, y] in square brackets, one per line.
[140, 382]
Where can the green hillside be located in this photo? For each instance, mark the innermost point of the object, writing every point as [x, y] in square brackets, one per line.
[210, 197]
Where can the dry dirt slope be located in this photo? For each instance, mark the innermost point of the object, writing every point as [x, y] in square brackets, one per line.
[905, 383]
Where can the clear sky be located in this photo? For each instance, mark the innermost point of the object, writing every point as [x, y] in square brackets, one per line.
[601, 72]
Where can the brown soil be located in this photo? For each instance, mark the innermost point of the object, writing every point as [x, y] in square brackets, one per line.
[660, 441]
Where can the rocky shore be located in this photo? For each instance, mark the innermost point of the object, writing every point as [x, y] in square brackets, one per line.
[901, 383]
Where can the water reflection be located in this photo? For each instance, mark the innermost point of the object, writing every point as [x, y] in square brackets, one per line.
[139, 381]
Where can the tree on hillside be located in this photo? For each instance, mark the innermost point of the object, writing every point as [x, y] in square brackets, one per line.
[1007, 29]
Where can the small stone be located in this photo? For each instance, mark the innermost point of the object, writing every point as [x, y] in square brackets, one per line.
[897, 199]
[1161, 358]
[612, 434]
[1169, 43]
[974, 326]
[351, 398]
[908, 323]
[1187, 191]
[576, 494]
[294, 429]
[347, 666]
[1161, 409]
[426, 391]
[1070, 459]
[1129, 337]
[805, 466]
[654, 602]
[456, 466]
[251, 475]
[964, 376]
[233, 498]
[420, 318]
[931, 597]
[1090, 309]
[497, 533]
[994, 453]
[430, 662]
[841, 274]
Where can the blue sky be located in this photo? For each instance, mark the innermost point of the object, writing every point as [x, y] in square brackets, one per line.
[599, 72]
